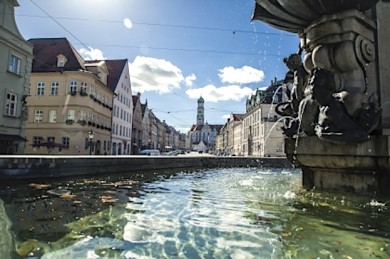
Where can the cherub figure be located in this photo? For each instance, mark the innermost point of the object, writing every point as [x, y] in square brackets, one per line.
[297, 77]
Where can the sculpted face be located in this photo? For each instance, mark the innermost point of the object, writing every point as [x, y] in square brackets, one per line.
[293, 61]
[321, 86]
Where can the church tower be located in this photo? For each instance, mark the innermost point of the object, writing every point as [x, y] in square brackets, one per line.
[200, 112]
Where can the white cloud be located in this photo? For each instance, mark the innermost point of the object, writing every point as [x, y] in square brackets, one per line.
[226, 116]
[211, 93]
[91, 54]
[189, 80]
[152, 74]
[127, 23]
[243, 75]
[182, 129]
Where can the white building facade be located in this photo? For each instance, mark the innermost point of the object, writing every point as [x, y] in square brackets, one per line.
[16, 56]
[122, 113]
[258, 132]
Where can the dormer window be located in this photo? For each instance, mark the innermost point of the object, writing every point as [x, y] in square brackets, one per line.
[61, 60]
[103, 77]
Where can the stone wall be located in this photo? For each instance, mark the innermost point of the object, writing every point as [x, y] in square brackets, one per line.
[31, 167]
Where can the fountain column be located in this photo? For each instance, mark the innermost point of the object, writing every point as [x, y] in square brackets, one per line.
[343, 44]
[382, 12]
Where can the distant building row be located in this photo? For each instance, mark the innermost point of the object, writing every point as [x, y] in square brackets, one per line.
[255, 133]
[258, 131]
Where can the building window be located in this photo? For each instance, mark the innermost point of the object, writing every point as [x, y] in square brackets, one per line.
[52, 116]
[73, 87]
[51, 139]
[71, 117]
[40, 88]
[83, 88]
[89, 116]
[82, 115]
[54, 88]
[14, 64]
[37, 140]
[65, 142]
[10, 104]
[92, 90]
[38, 115]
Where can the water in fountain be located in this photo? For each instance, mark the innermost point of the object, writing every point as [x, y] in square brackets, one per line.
[273, 99]
[270, 111]
[274, 126]
[216, 213]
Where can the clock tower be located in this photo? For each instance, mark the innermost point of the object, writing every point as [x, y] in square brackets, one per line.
[200, 112]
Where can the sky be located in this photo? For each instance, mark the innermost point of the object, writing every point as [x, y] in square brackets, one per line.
[178, 50]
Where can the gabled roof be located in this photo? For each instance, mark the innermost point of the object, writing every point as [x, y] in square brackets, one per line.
[46, 51]
[143, 108]
[135, 99]
[115, 68]
[196, 127]
[216, 127]
[237, 117]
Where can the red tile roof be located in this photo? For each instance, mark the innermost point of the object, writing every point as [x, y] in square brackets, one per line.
[115, 68]
[46, 51]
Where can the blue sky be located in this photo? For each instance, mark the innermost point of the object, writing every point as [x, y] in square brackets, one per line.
[177, 49]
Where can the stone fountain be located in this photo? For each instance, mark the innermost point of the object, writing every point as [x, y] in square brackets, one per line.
[339, 101]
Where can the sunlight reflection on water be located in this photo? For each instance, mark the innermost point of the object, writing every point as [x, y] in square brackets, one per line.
[216, 213]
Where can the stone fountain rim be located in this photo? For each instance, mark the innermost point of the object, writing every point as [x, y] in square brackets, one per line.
[272, 19]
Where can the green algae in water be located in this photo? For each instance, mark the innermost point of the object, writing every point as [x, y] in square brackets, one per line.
[6, 241]
[219, 213]
[335, 225]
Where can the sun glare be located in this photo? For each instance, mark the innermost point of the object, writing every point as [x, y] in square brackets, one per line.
[128, 23]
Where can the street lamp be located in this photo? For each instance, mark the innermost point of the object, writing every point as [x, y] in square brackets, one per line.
[90, 136]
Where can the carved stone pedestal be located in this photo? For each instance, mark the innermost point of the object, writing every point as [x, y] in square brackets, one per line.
[359, 167]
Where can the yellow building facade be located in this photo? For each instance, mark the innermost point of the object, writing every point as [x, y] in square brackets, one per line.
[69, 108]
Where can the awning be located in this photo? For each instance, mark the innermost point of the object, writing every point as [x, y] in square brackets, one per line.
[12, 138]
